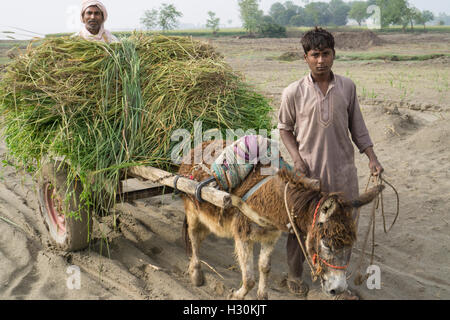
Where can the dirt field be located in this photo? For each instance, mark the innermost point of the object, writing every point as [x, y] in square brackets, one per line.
[406, 106]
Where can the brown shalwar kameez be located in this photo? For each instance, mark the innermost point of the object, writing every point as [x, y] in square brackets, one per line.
[322, 125]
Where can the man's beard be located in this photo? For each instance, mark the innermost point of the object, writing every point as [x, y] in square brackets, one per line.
[93, 27]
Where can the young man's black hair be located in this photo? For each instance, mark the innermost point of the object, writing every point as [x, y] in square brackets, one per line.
[317, 39]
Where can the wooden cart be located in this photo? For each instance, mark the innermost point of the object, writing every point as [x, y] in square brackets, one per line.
[72, 234]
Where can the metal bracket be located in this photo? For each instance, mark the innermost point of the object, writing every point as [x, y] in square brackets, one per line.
[200, 186]
[175, 181]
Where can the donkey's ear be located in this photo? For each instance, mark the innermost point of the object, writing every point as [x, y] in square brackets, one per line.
[367, 197]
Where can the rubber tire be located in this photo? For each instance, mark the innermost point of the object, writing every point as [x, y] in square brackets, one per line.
[77, 235]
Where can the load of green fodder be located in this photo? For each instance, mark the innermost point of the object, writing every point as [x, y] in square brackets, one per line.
[105, 108]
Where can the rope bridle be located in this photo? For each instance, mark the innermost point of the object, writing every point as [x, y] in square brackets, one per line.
[371, 227]
[378, 180]
[328, 264]
[316, 258]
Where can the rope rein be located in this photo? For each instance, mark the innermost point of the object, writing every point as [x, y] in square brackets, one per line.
[378, 180]
[294, 227]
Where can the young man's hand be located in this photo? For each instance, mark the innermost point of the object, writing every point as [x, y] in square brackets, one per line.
[292, 147]
[375, 167]
[300, 166]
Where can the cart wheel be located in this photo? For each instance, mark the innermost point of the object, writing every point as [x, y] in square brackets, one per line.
[68, 233]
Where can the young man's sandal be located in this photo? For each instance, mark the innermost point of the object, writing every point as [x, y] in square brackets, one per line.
[297, 287]
[347, 295]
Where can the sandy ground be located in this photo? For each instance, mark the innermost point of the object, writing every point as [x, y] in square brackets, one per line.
[143, 257]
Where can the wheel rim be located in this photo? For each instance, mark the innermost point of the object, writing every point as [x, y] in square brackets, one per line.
[53, 205]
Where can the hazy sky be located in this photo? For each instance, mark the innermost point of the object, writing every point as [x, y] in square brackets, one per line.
[53, 16]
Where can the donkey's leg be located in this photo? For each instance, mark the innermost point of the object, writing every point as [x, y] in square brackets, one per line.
[244, 252]
[264, 268]
[197, 233]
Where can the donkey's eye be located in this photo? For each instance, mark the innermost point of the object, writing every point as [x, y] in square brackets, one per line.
[326, 249]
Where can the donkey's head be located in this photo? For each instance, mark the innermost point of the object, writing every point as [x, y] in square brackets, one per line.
[330, 238]
[327, 220]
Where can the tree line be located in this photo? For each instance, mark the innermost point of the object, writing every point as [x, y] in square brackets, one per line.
[338, 13]
[166, 18]
[282, 15]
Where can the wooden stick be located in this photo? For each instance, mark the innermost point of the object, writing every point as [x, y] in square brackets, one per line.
[216, 197]
[212, 269]
[142, 194]
[155, 267]
[250, 213]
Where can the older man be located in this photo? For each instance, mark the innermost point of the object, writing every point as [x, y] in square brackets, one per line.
[93, 16]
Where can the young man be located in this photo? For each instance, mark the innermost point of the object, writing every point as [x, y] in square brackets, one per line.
[315, 118]
[93, 16]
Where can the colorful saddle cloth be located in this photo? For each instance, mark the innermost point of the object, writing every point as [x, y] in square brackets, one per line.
[238, 160]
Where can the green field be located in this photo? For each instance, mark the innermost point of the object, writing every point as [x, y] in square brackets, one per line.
[388, 57]
[392, 29]
[388, 54]
[4, 60]
[291, 31]
[182, 33]
[7, 45]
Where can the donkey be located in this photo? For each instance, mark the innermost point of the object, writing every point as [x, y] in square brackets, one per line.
[324, 219]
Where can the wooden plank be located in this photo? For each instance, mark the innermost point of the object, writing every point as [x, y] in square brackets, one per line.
[216, 197]
[142, 194]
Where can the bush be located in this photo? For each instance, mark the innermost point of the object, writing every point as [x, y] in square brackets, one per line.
[269, 28]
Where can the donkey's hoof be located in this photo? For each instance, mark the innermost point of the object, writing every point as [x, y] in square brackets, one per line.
[232, 295]
[297, 287]
[262, 296]
[197, 277]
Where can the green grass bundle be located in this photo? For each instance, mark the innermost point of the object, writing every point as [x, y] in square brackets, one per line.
[108, 107]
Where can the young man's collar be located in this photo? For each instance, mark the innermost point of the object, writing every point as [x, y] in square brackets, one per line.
[332, 80]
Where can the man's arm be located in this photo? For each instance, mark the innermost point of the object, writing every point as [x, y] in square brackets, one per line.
[360, 134]
[292, 147]
[286, 125]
